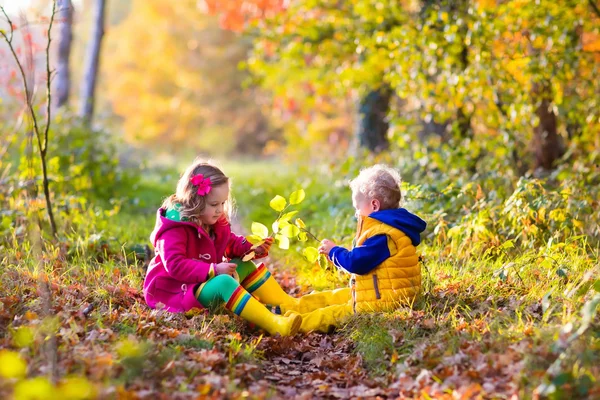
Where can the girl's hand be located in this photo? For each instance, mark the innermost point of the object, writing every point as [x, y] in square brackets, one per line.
[225, 268]
[326, 246]
[263, 249]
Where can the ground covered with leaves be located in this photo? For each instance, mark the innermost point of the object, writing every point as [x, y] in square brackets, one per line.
[508, 309]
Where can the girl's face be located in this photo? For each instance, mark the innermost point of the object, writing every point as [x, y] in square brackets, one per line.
[364, 206]
[215, 204]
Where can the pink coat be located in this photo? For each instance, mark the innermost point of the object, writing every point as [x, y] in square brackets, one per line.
[183, 254]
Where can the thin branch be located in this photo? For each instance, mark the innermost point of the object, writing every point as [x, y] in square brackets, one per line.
[47, 128]
[48, 76]
[310, 234]
[9, 24]
[42, 146]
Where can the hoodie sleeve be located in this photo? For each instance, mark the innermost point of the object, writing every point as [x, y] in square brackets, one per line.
[172, 249]
[361, 259]
[237, 246]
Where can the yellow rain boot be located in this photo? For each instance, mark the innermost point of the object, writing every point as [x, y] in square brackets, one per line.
[316, 300]
[247, 307]
[325, 319]
[265, 288]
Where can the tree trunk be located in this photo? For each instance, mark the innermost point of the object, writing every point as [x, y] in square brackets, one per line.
[92, 63]
[546, 142]
[63, 80]
[373, 125]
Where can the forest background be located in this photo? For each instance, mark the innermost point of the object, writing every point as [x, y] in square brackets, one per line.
[489, 109]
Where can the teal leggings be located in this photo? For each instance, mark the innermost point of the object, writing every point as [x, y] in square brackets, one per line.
[218, 290]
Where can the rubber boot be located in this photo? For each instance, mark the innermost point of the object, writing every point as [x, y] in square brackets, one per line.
[316, 300]
[325, 319]
[261, 284]
[247, 307]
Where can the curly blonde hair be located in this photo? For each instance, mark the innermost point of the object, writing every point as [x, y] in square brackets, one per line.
[379, 182]
[189, 204]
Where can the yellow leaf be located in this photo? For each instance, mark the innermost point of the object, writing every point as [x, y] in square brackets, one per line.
[249, 256]
[283, 242]
[254, 239]
[557, 215]
[203, 389]
[302, 236]
[278, 203]
[311, 254]
[23, 336]
[128, 348]
[300, 223]
[542, 214]
[34, 389]
[259, 230]
[297, 196]
[12, 365]
[290, 231]
[76, 388]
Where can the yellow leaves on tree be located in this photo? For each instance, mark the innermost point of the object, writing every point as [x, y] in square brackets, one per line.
[149, 70]
[174, 79]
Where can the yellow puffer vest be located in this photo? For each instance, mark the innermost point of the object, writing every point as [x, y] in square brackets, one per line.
[395, 281]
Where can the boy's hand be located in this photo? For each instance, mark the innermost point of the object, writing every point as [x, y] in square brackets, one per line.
[263, 249]
[225, 268]
[326, 246]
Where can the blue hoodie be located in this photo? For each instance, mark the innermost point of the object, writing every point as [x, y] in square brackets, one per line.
[364, 258]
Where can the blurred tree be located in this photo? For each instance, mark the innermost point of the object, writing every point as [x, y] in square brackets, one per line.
[178, 85]
[506, 77]
[62, 82]
[373, 125]
[92, 64]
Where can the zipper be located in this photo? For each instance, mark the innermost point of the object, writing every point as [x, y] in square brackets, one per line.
[376, 287]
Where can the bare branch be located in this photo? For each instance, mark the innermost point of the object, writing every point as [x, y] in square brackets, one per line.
[48, 76]
[42, 146]
[12, 29]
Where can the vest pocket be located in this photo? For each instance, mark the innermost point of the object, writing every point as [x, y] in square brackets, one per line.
[376, 287]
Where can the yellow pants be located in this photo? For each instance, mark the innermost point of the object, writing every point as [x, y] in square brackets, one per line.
[322, 311]
[325, 319]
[315, 300]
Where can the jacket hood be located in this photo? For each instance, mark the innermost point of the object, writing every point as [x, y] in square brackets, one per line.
[163, 224]
[404, 220]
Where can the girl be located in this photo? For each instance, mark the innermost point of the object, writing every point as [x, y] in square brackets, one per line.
[194, 246]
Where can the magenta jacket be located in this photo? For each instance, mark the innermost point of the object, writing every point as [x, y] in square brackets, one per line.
[183, 254]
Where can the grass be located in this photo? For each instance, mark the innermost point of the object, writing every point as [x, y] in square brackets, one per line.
[500, 317]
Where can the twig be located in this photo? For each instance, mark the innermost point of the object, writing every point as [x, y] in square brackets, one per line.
[310, 234]
[42, 145]
[47, 129]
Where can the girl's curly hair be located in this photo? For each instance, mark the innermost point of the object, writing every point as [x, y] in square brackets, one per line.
[186, 198]
[379, 182]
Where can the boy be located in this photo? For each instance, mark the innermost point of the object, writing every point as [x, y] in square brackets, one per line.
[383, 261]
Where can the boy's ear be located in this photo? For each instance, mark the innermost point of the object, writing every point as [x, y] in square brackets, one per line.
[375, 205]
